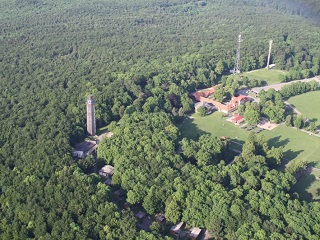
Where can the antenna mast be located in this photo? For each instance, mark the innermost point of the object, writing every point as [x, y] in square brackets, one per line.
[270, 47]
[236, 68]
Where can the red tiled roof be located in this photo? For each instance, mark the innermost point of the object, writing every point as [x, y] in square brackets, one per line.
[236, 118]
[202, 96]
[218, 105]
[205, 94]
[237, 100]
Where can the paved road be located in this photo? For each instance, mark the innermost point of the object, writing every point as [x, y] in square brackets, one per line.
[278, 86]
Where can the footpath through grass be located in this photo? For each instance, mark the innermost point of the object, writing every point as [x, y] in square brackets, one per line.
[308, 104]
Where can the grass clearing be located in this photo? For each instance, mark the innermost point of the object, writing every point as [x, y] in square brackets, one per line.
[297, 144]
[308, 186]
[271, 76]
[213, 123]
[308, 104]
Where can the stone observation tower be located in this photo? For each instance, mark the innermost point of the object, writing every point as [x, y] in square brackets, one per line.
[91, 118]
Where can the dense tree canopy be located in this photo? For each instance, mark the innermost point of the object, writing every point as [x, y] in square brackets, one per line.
[140, 60]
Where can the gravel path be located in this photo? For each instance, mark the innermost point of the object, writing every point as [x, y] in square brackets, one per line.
[278, 86]
[293, 108]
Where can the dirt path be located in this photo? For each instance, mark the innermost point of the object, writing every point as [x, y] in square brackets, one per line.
[293, 108]
[310, 133]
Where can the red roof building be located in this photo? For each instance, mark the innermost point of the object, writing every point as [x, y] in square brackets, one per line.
[241, 99]
[203, 96]
[226, 108]
[203, 93]
[237, 119]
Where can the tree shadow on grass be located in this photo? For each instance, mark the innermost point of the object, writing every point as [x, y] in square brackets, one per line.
[264, 83]
[315, 120]
[287, 157]
[237, 141]
[302, 185]
[235, 144]
[318, 191]
[190, 130]
[288, 111]
[234, 149]
[229, 156]
[305, 180]
[311, 165]
[276, 142]
[289, 154]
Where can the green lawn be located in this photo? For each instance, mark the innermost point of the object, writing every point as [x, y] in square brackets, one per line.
[308, 186]
[308, 104]
[270, 76]
[297, 144]
[213, 123]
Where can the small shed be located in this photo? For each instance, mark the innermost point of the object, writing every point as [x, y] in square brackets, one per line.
[84, 148]
[195, 232]
[176, 229]
[140, 215]
[160, 218]
[237, 119]
[106, 171]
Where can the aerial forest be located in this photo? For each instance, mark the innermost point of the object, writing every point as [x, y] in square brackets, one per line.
[140, 60]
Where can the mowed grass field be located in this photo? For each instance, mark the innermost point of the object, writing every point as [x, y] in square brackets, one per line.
[214, 124]
[308, 186]
[271, 76]
[308, 104]
[297, 144]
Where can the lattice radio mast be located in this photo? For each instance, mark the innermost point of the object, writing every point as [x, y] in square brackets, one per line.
[236, 68]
